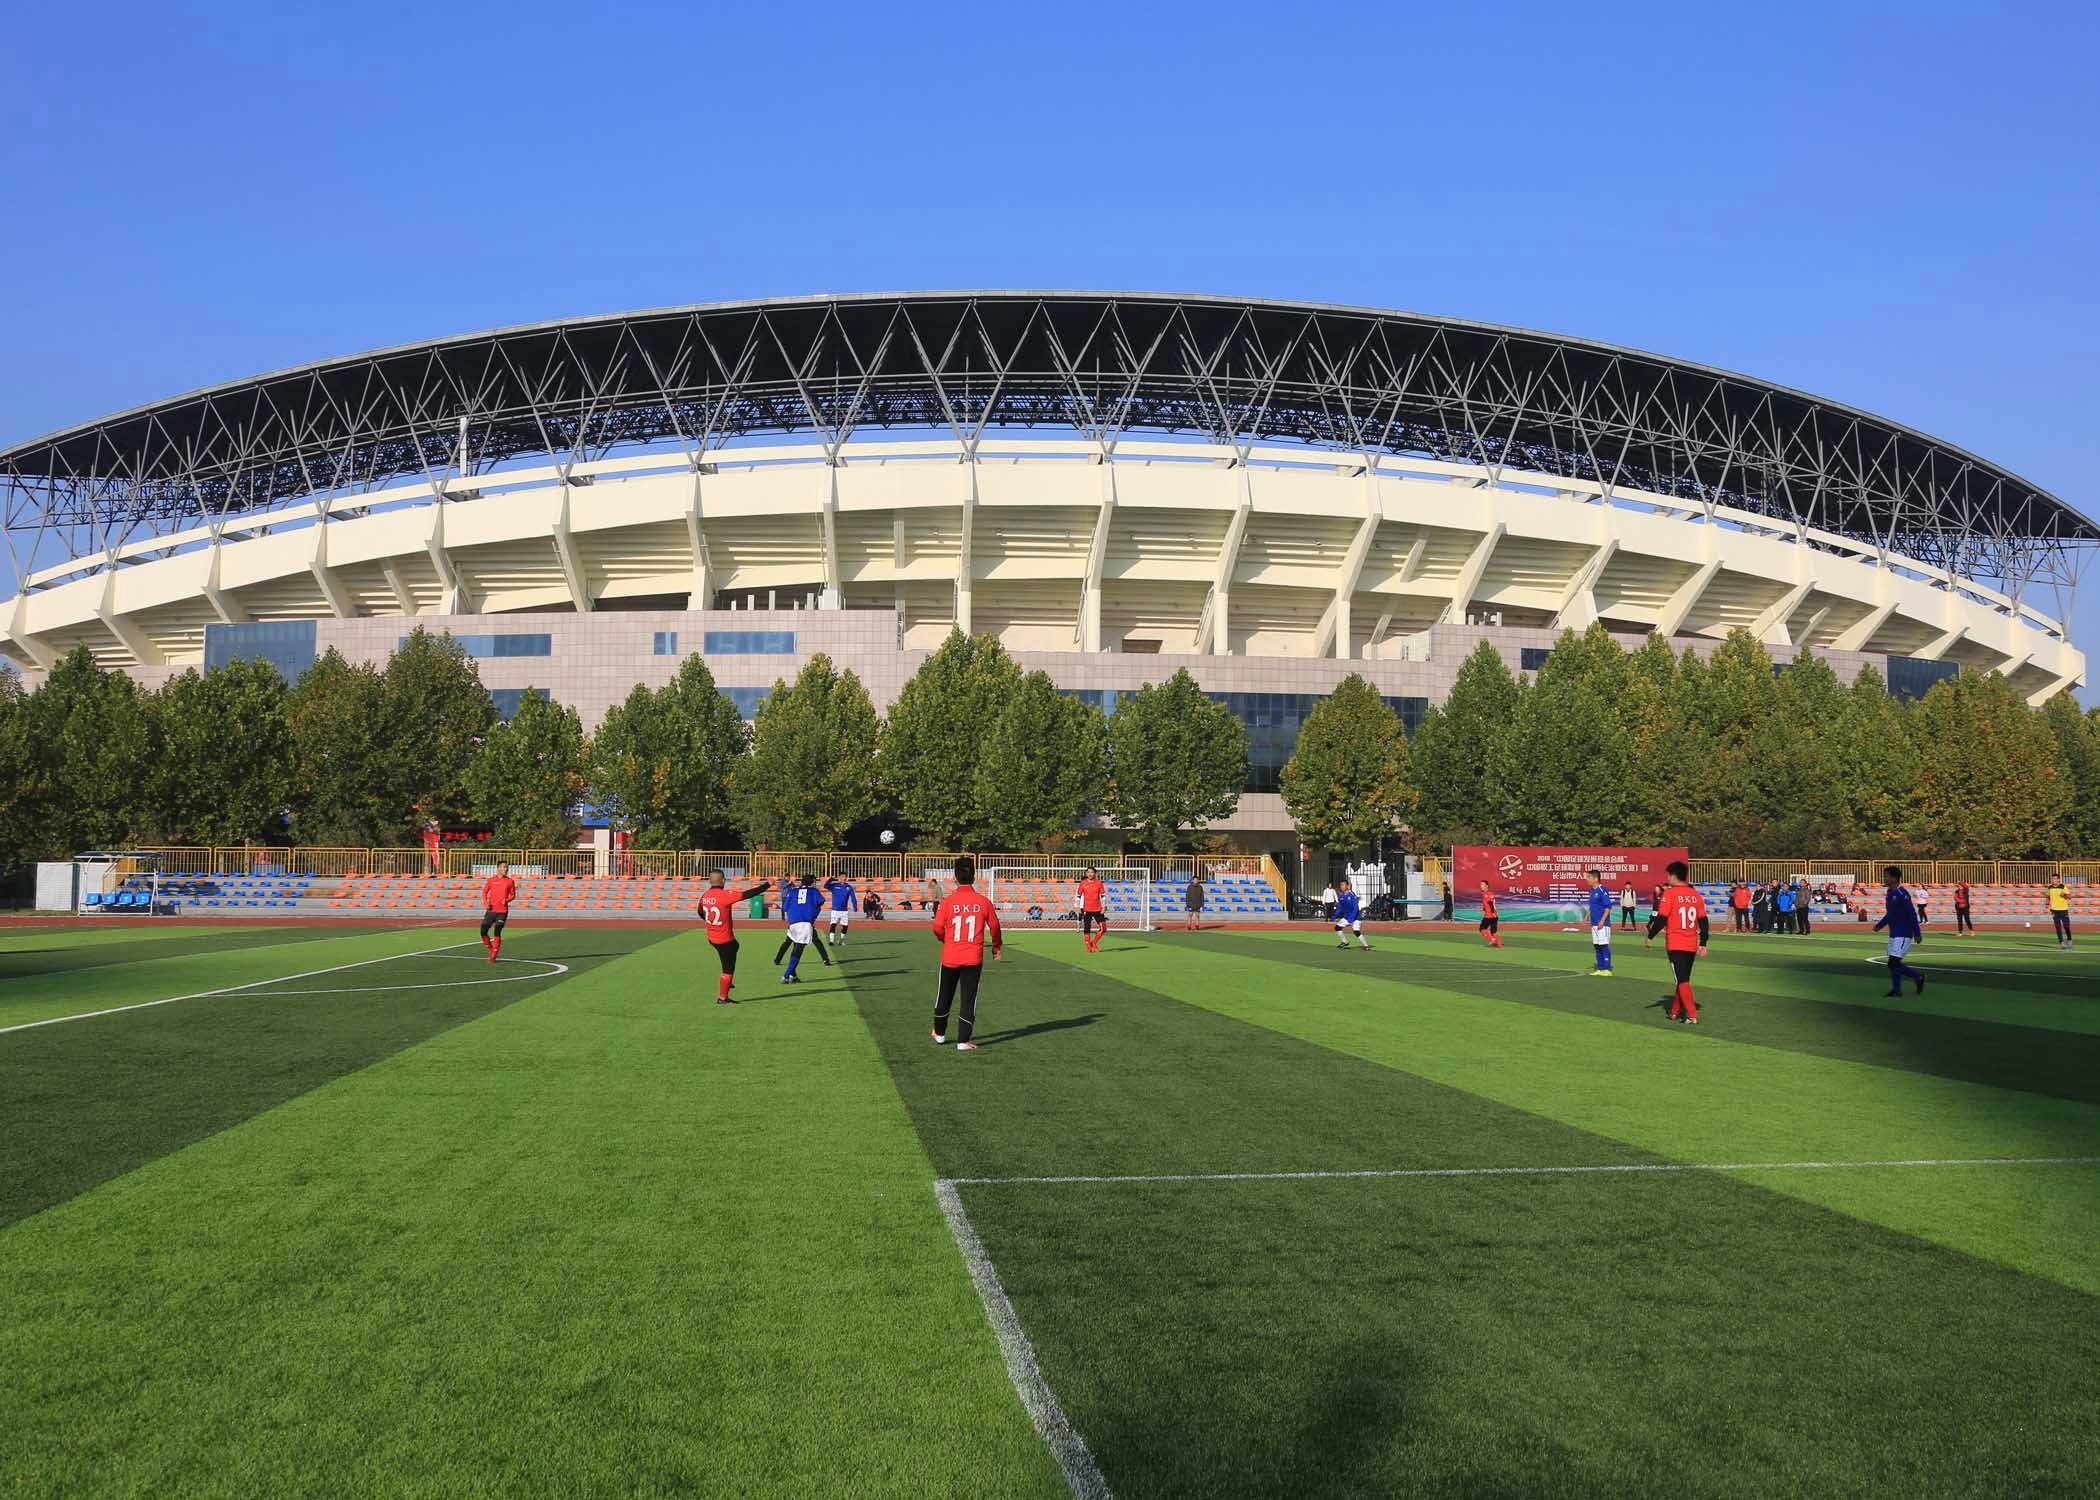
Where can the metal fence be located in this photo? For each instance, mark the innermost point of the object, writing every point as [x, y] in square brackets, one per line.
[1922, 871]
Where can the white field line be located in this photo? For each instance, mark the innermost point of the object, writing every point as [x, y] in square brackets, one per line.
[951, 1183]
[235, 989]
[1082, 1474]
[1955, 971]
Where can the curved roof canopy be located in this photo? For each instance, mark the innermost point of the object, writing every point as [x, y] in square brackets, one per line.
[1229, 370]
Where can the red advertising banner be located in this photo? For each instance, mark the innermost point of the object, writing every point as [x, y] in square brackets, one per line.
[1546, 874]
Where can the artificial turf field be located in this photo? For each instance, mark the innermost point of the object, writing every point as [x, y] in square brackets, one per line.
[389, 1221]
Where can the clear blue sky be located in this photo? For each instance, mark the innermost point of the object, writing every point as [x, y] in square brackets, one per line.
[1898, 208]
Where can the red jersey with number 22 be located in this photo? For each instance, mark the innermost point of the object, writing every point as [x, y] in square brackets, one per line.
[718, 911]
[1090, 894]
[1681, 908]
[964, 921]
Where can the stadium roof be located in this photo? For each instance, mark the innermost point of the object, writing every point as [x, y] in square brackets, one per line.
[1099, 364]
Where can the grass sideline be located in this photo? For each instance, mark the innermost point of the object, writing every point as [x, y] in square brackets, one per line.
[586, 1232]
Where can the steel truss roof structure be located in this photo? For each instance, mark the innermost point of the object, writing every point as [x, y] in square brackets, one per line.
[1231, 371]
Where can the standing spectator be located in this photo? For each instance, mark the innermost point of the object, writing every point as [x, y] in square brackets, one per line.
[1784, 903]
[1192, 899]
[1327, 900]
[1963, 925]
[1447, 901]
[1626, 906]
[1801, 909]
[1739, 903]
[2060, 909]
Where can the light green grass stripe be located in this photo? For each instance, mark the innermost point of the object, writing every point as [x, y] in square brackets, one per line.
[36, 997]
[1803, 971]
[613, 1239]
[14, 940]
[1694, 1096]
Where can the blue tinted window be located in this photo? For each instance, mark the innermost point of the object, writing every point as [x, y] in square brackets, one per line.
[749, 643]
[666, 643]
[1272, 722]
[508, 699]
[487, 646]
[287, 645]
[1531, 658]
[747, 699]
[1911, 678]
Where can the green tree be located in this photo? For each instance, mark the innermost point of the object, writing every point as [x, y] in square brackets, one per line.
[935, 736]
[1730, 705]
[527, 774]
[1176, 761]
[341, 771]
[1564, 776]
[1044, 765]
[1661, 785]
[1456, 747]
[1346, 783]
[1988, 781]
[92, 738]
[21, 794]
[1875, 786]
[2077, 737]
[433, 714]
[1799, 762]
[811, 773]
[222, 769]
[662, 762]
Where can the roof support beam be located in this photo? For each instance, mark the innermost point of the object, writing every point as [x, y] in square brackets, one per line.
[1578, 601]
[2017, 659]
[404, 596]
[1334, 625]
[33, 646]
[222, 604]
[456, 600]
[1942, 643]
[125, 629]
[1469, 576]
[966, 560]
[2058, 685]
[1214, 631]
[339, 603]
[1096, 559]
[1808, 631]
[701, 592]
[1770, 624]
[1688, 594]
[1855, 637]
[827, 520]
[1417, 552]
[565, 553]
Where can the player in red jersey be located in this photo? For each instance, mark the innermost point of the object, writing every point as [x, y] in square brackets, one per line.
[1680, 915]
[1093, 915]
[1490, 918]
[718, 910]
[497, 893]
[962, 922]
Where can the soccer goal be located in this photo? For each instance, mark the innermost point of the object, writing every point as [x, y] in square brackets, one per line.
[1048, 895]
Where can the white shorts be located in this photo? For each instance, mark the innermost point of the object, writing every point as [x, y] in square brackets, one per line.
[1343, 924]
[1899, 947]
[801, 932]
[1600, 935]
[843, 916]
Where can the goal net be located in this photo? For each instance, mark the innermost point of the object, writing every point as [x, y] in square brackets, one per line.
[1048, 895]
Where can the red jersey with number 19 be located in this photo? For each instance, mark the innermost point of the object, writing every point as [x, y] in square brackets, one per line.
[1682, 909]
[964, 921]
[718, 911]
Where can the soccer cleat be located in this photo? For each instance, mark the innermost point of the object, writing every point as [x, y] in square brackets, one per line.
[939, 1040]
[724, 1000]
[1895, 994]
[966, 1046]
[1921, 984]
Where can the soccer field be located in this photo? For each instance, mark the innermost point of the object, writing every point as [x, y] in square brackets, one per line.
[315, 1211]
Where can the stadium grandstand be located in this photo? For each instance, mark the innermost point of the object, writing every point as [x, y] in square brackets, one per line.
[1115, 485]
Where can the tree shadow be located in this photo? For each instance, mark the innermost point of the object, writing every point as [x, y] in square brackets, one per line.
[987, 1038]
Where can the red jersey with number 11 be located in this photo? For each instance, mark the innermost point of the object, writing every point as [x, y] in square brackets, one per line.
[964, 921]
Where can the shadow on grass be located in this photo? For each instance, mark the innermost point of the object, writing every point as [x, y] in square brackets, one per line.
[987, 1038]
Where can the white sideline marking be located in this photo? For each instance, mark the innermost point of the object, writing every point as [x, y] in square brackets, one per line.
[549, 966]
[1081, 1473]
[234, 989]
[1621, 1167]
[1955, 970]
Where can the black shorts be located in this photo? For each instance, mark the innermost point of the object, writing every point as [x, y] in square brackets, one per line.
[1681, 963]
[1089, 920]
[725, 955]
[1490, 924]
[493, 921]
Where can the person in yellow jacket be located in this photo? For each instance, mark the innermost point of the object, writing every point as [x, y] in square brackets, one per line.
[2060, 910]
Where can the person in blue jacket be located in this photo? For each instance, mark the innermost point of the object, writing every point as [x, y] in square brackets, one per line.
[1600, 924]
[1348, 916]
[1785, 902]
[799, 905]
[1899, 915]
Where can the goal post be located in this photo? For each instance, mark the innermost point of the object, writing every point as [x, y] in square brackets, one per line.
[1028, 896]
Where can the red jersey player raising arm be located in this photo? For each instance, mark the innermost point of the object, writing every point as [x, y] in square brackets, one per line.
[962, 922]
[718, 910]
[1680, 914]
[497, 893]
[1490, 919]
[1093, 918]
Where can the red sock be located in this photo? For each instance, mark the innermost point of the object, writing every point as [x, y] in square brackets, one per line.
[496, 943]
[722, 988]
[1691, 1006]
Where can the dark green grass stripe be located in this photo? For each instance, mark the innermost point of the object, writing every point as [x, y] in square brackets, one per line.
[2029, 1059]
[86, 1101]
[1459, 1337]
[144, 945]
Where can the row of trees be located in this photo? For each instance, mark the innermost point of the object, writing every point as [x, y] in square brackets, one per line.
[1722, 754]
[975, 754]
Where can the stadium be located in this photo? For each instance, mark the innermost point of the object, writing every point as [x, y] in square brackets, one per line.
[1115, 485]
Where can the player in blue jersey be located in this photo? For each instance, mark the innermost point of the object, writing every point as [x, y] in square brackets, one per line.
[1600, 924]
[1899, 914]
[799, 905]
[844, 903]
[1348, 916]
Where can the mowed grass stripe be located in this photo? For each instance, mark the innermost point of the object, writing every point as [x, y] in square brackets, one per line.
[2031, 1059]
[1629, 1336]
[208, 962]
[1694, 1096]
[611, 1239]
[2052, 989]
[84, 1101]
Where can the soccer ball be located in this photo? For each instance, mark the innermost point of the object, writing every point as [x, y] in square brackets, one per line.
[2027, 924]
[889, 836]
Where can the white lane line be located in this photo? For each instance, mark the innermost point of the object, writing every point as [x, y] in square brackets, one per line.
[1955, 971]
[1575, 1171]
[549, 969]
[234, 989]
[1081, 1473]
